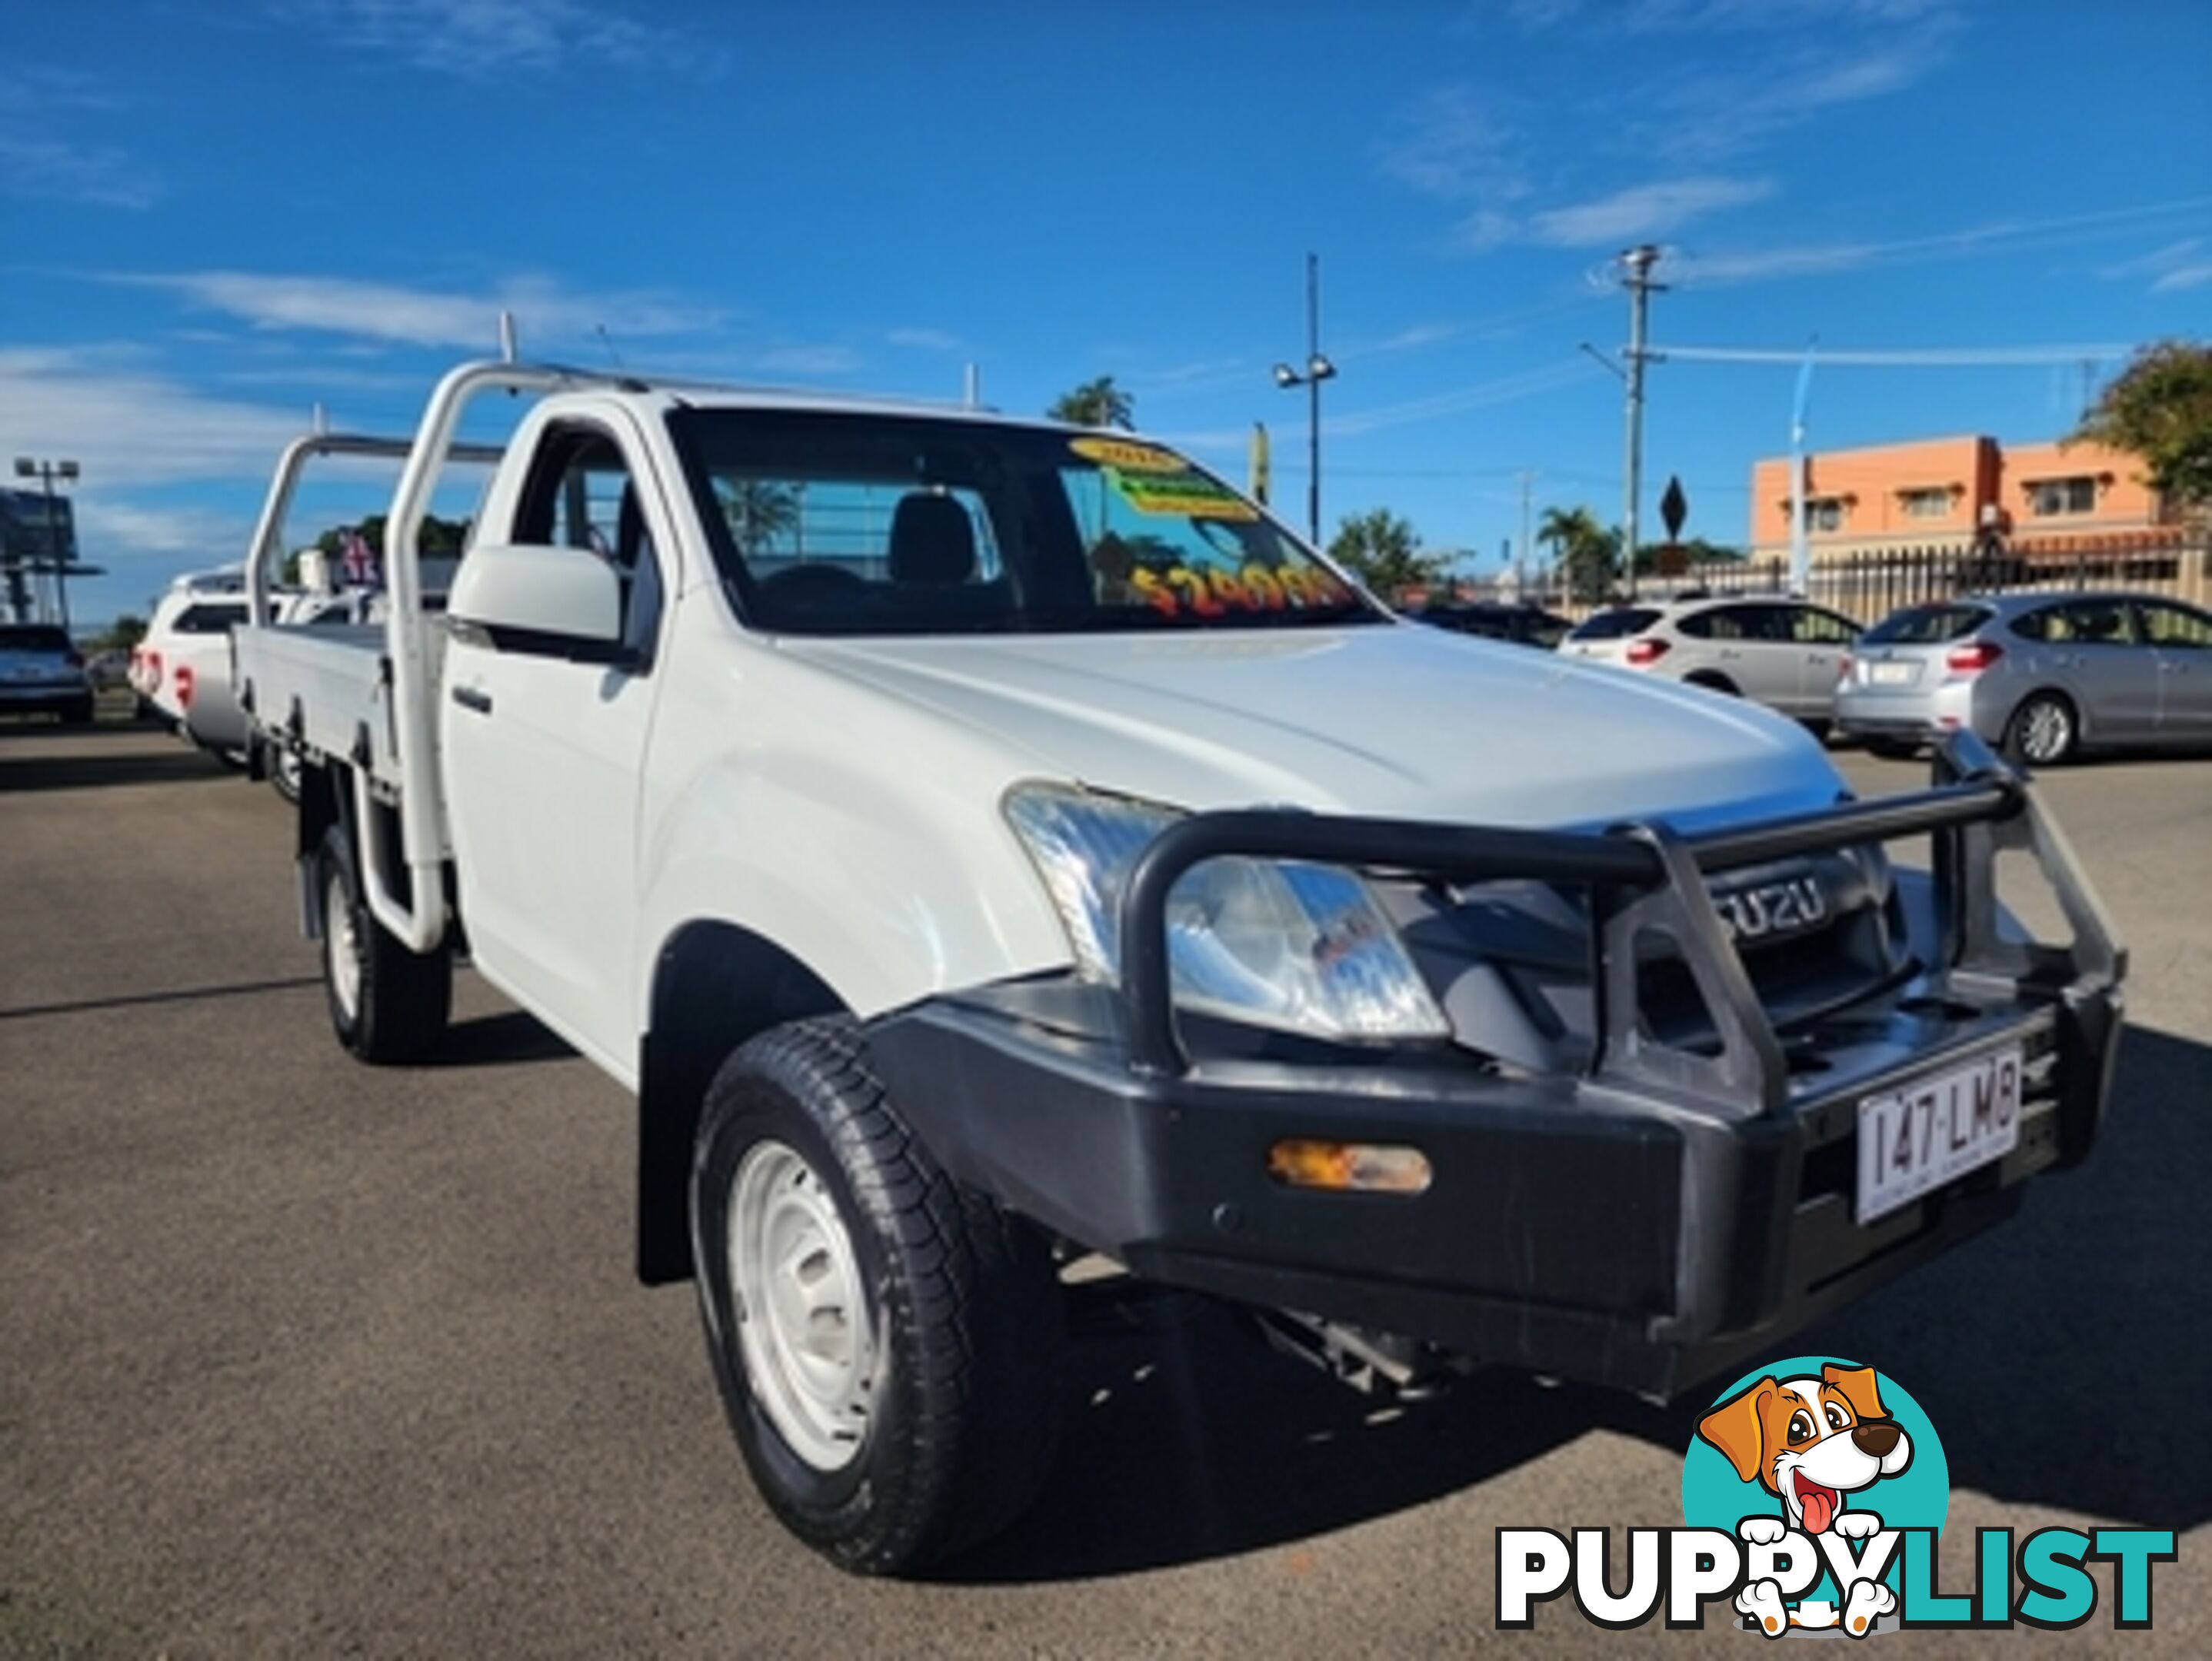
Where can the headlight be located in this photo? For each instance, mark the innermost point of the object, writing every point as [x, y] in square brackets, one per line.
[1301, 947]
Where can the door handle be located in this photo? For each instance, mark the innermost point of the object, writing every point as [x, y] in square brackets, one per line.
[473, 698]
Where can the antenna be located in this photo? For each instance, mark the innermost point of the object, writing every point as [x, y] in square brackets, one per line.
[607, 341]
[507, 348]
[971, 386]
[320, 420]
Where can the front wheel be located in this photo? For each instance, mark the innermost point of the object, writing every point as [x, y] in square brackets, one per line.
[387, 1005]
[885, 1340]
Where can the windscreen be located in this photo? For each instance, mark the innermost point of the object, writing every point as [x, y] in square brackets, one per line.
[1614, 625]
[835, 523]
[1926, 624]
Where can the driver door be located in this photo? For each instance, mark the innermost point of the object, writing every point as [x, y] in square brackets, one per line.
[543, 757]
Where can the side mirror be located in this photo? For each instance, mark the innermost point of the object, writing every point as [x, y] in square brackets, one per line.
[539, 601]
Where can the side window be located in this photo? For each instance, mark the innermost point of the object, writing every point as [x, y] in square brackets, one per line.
[1760, 624]
[2174, 625]
[2039, 625]
[1698, 625]
[1732, 622]
[1813, 627]
[2099, 623]
[209, 618]
[580, 495]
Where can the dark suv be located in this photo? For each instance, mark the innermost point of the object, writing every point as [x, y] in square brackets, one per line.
[43, 673]
[1523, 625]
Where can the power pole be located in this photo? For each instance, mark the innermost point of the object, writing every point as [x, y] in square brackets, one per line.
[1635, 263]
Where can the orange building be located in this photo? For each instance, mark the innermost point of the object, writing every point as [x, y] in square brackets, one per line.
[1943, 490]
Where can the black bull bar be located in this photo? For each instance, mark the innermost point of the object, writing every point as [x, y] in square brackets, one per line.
[1645, 879]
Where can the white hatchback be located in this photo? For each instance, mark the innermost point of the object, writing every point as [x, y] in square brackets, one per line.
[1785, 653]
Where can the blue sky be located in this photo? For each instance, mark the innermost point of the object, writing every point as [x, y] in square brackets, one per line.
[220, 213]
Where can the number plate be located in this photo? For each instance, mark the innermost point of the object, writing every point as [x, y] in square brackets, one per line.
[1890, 675]
[1937, 1127]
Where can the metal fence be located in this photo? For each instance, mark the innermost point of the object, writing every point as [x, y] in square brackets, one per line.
[1868, 584]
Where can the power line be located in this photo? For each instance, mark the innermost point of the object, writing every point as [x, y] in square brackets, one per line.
[1937, 357]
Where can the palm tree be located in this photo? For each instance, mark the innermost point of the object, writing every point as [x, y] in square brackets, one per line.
[1383, 551]
[1583, 551]
[758, 510]
[1096, 403]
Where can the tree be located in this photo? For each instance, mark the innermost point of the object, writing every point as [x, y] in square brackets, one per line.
[1096, 403]
[124, 633]
[1383, 551]
[1585, 552]
[437, 539]
[758, 510]
[2160, 408]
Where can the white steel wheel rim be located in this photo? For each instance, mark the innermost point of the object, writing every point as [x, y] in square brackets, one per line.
[2044, 731]
[800, 1306]
[342, 943]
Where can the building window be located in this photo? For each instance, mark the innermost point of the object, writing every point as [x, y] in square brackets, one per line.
[1824, 513]
[1932, 503]
[2049, 498]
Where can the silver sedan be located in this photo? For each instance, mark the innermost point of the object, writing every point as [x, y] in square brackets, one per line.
[2047, 675]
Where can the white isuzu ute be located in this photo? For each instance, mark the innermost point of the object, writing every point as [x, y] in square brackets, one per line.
[982, 844]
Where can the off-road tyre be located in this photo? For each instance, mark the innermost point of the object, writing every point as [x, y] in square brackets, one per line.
[391, 1008]
[961, 1300]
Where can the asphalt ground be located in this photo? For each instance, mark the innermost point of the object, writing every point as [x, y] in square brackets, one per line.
[299, 1357]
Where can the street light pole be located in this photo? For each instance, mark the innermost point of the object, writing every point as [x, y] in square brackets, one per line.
[1638, 263]
[47, 472]
[1317, 370]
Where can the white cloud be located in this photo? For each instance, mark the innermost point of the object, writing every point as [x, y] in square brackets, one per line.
[1503, 389]
[129, 426]
[1721, 16]
[2172, 268]
[46, 86]
[478, 38]
[804, 360]
[925, 340]
[210, 537]
[1657, 208]
[57, 170]
[1991, 237]
[423, 316]
[1456, 142]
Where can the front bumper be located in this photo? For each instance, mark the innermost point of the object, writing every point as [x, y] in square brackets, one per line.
[1643, 1223]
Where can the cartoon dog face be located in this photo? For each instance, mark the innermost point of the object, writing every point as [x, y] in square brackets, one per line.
[1810, 1441]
